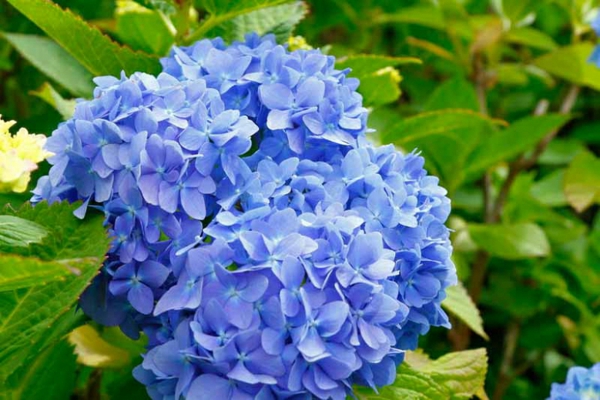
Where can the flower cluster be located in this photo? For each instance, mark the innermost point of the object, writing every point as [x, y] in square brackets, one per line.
[581, 384]
[19, 156]
[263, 245]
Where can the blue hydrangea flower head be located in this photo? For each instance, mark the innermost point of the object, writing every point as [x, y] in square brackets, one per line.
[595, 56]
[266, 248]
[582, 384]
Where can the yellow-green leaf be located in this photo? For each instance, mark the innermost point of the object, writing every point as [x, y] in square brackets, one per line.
[459, 303]
[582, 181]
[93, 351]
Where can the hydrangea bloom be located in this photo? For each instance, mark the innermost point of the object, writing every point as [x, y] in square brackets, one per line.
[581, 384]
[264, 246]
[595, 57]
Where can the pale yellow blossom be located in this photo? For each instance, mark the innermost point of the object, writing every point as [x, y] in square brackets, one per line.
[298, 43]
[19, 156]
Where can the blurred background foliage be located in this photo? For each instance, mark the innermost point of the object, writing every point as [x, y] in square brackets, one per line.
[498, 95]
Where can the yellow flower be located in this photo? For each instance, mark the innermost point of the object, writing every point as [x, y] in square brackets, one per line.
[19, 156]
[298, 43]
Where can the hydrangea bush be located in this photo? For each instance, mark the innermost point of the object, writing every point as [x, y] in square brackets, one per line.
[261, 242]
[581, 384]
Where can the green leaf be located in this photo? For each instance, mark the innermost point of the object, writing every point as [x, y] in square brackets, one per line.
[571, 63]
[549, 190]
[459, 303]
[582, 181]
[561, 151]
[50, 377]
[279, 20]
[18, 272]
[19, 232]
[93, 351]
[531, 37]
[446, 138]
[511, 241]
[428, 16]
[166, 6]
[46, 92]
[517, 138]
[459, 375]
[378, 78]
[143, 29]
[368, 64]
[453, 93]
[27, 315]
[221, 11]
[94, 50]
[53, 61]
[518, 11]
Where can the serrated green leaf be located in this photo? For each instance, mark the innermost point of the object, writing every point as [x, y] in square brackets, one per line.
[94, 50]
[50, 377]
[143, 29]
[453, 93]
[19, 232]
[446, 138]
[459, 375]
[18, 272]
[26, 315]
[462, 373]
[66, 108]
[582, 181]
[511, 241]
[459, 303]
[54, 61]
[279, 20]
[514, 140]
[572, 63]
[531, 37]
[221, 11]
[94, 351]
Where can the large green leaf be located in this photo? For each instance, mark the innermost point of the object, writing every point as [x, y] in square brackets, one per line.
[453, 93]
[582, 181]
[18, 272]
[143, 29]
[19, 232]
[459, 375]
[31, 317]
[94, 50]
[53, 61]
[51, 376]
[279, 20]
[446, 138]
[531, 37]
[572, 63]
[459, 303]
[511, 241]
[220, 11]
[517, 138]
